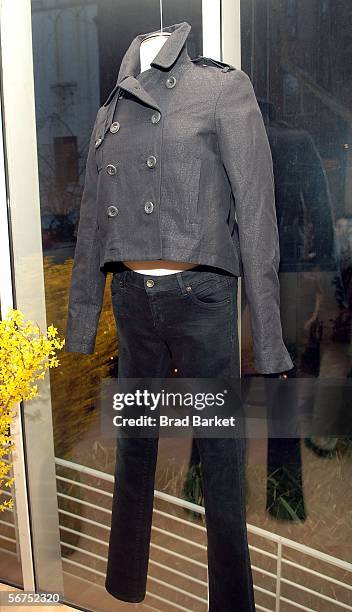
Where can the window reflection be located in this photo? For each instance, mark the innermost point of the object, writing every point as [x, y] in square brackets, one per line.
[296, 55]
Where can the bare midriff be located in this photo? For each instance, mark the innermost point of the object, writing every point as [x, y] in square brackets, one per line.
[160, 266]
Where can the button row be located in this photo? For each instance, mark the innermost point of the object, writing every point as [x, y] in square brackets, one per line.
[151, 163]
[115, 126]
[170, 83]
[112, 211]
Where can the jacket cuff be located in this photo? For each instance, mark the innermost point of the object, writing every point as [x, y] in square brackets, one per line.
[274, 365]
[75, 346]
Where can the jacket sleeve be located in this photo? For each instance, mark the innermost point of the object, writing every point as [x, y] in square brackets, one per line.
[88, 280]
[246, 156]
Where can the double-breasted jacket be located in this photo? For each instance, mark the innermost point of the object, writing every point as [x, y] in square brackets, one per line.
[179, 167]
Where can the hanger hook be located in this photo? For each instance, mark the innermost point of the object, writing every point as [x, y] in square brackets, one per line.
[161, 15]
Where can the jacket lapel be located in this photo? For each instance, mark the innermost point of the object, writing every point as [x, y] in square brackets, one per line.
[107, 111]
[174, 50]
[133, 86]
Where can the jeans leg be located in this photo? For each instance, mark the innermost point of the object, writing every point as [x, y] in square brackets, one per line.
[141, 354]
[229, 569]
[132, 510]
[204, 343]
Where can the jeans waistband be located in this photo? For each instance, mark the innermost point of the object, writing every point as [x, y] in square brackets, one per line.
[174, 280]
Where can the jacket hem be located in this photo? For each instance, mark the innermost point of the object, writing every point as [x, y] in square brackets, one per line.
[202, 257]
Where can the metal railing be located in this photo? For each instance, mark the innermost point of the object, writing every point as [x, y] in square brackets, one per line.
[282, 545]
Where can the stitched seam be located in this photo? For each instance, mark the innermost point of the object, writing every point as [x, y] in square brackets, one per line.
[208, 305]
[237, 75]
[90, 285]
[241, 471]
[192, 250]
[215, 109]
[142, 496]
[87, 306]
[140, 532]
[197, 298]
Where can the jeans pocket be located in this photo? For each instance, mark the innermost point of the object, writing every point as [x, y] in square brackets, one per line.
[210, 294]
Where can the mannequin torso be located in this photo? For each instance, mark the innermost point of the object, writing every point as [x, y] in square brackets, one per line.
[148, 50]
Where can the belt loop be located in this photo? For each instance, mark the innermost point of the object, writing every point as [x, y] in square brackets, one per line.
[181, 282]
[124, 278]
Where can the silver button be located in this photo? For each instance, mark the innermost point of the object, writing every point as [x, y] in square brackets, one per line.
[114, 127]
[149, 282]
[98, 142]
[112, 211]
[149, 207]
[151, 161]
[111, 169]
[170, 82]
[156, 117]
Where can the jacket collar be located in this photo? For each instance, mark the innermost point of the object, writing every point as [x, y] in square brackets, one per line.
[174, 49]
[166, 57]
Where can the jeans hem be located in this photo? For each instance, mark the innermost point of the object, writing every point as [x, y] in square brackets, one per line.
[124, 597]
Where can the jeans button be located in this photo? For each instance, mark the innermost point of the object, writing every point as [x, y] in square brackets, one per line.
[150, 282]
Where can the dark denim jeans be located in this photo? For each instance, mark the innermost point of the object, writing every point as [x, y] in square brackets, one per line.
[189, 320]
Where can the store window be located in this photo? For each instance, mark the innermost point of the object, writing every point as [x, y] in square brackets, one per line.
[297, 54]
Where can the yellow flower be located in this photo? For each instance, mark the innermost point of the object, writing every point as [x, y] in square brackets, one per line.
[25, 355]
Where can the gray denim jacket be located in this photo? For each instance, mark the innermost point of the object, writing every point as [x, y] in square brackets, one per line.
[179, 167]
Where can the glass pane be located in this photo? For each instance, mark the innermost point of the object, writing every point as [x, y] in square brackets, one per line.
[297, 55]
